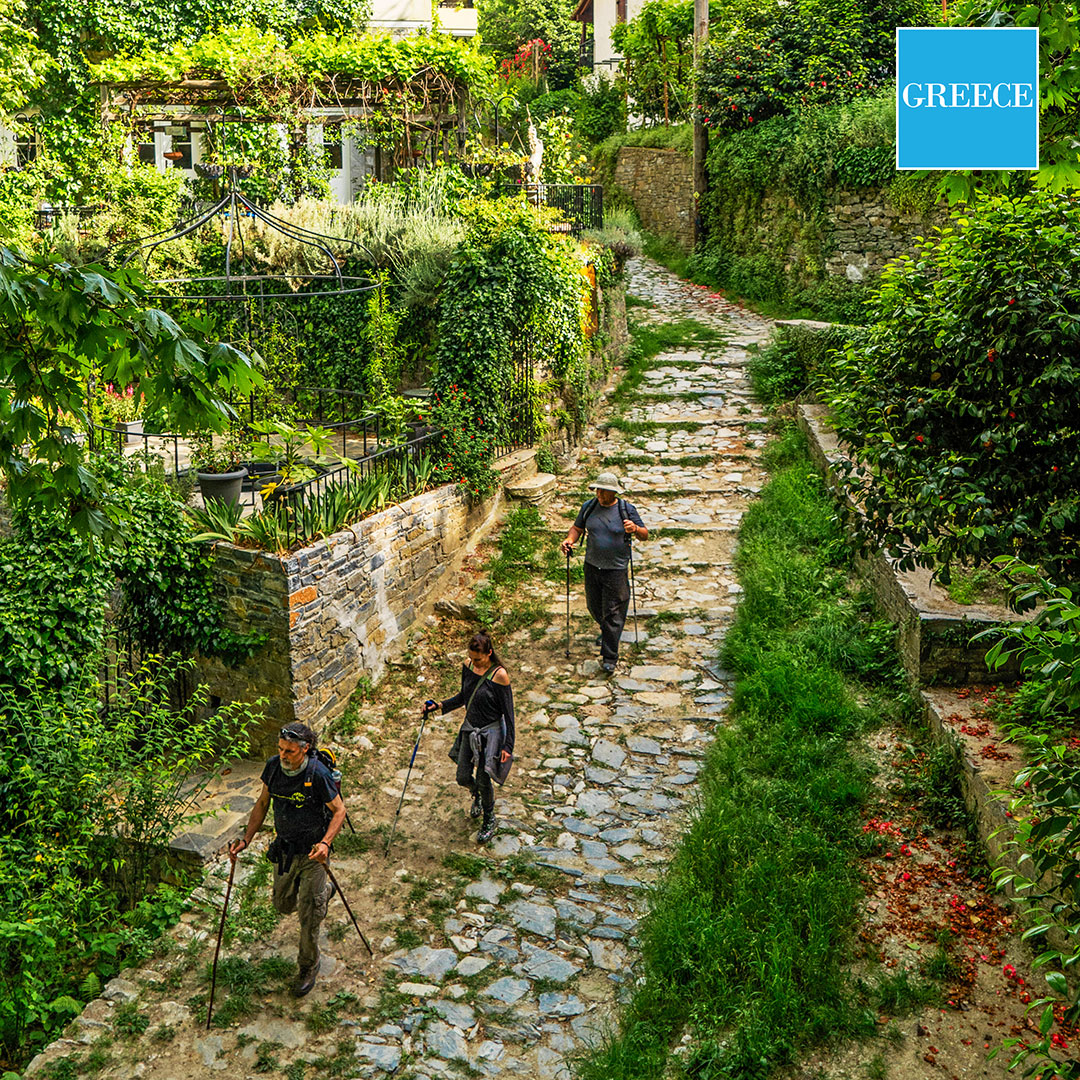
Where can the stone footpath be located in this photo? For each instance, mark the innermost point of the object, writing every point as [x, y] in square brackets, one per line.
[510, 963]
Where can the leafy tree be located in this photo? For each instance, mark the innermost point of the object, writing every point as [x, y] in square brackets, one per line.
[60, 328]
[505, 25]
[658, 46]
[959, 405]
[1059, 86]
[23, 64]
[773, 59]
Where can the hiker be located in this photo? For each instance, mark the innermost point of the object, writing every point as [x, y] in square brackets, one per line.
[611, 524]
[484, 747]
[308, 813]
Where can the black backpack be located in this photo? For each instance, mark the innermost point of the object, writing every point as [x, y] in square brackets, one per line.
[327, 758]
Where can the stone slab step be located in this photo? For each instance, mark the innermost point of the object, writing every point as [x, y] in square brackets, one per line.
[533, 490]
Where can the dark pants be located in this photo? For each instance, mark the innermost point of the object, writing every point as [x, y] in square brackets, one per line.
[481, 782]
[607, 594]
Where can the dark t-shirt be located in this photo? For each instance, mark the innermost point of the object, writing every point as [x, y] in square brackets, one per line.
[299, 810]
[607, 547]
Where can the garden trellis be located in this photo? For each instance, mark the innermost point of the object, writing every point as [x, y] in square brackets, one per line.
[409, 95]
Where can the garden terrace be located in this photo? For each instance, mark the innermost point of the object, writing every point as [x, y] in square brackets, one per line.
[357, 434]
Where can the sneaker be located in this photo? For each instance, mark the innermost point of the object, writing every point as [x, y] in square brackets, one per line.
[305, 981]
[608, 666]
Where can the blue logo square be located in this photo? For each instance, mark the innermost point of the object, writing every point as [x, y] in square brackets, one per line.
[967, 97]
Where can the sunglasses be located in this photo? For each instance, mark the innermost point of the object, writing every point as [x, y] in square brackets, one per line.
[292, 736]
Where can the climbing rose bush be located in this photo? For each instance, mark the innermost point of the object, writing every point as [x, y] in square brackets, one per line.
[960, 404]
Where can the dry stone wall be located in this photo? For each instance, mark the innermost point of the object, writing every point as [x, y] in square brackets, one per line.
[661, 185]
[861, 230]
[866, 231]
[334, 611]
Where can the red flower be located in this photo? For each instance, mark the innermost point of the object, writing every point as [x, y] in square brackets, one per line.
[1011, 302]
[1012, 415]
[918, 438]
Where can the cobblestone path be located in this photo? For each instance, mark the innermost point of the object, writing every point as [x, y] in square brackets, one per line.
[509, 964]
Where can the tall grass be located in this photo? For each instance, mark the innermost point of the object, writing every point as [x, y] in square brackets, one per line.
[749, 931]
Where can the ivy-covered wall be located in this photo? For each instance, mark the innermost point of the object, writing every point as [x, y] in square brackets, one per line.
[769, 243]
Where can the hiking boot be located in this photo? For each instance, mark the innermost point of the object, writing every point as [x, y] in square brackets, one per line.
[487, 827]
[608, 666]
[305, 981]
[599, 640]
[476, 809]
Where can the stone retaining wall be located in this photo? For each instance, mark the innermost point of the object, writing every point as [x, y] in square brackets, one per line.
[865, 231]
[860, 232]
[335, 610]
[661, 185]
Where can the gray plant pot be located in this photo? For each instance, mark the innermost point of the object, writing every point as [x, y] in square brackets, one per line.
[224, 486]
[131, 428]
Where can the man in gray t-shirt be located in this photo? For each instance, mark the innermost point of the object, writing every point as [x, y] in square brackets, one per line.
[610, 523]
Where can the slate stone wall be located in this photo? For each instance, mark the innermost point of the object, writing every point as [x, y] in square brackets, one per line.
[334, 611]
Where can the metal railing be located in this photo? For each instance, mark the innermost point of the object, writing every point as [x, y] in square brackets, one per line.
[580, 205]
[45, 217]
[519, 425]
[407, 464]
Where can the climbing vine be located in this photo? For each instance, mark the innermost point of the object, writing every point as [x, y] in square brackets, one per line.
[513, 285]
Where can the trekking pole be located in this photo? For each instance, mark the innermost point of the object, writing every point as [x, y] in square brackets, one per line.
[568, 605]
[419, 734]
[633, 594]
[334, 882]
[217, 949]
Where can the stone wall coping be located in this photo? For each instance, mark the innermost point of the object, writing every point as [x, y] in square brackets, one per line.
[653, 150]
[928, 598]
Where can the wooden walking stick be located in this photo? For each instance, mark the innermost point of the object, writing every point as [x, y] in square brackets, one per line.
[330, 874]
[217, 949]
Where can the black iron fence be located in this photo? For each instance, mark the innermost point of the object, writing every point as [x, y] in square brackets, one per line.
[310, 509]
[581, 206]
[521, 398]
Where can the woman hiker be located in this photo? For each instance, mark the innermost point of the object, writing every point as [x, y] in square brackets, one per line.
[484, 747]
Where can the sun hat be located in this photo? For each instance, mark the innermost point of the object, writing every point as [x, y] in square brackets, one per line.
[609, 482]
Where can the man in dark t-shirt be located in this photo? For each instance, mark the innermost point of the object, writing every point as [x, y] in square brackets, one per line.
[611, 523]
[308, 814]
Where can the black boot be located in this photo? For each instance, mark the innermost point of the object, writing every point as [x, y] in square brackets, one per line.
[476, 809]
[487, 827]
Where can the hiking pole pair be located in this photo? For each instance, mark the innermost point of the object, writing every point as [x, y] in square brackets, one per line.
[419, 735]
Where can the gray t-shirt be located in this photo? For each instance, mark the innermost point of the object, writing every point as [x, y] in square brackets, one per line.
[607, 546]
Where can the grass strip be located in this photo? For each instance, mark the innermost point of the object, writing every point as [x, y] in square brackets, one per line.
[748, 933]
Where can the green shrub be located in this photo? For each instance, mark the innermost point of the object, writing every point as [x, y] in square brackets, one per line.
[957, 403]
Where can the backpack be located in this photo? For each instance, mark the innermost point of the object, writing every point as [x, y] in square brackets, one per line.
[327, 758]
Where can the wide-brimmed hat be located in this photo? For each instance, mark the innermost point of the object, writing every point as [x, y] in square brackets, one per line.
[609, 482]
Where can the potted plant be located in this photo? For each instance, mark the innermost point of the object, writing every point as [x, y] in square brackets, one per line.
[284, 446]
[220, 473]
